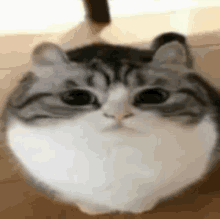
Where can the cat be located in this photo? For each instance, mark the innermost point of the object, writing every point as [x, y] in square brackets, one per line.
[113, 130]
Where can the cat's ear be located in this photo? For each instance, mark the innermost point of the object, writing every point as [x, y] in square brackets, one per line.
[170, 53]
[49, 54]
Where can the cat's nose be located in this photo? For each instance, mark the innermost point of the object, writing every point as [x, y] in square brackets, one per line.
[118, 110]
[118, 117]
[117, 106]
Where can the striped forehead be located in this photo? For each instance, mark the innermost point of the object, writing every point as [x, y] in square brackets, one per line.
[102, 75]
[140, 75]
[148, 75]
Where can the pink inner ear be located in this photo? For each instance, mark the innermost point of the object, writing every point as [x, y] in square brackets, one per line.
[53, 55]
[172, 53]
[48, 54]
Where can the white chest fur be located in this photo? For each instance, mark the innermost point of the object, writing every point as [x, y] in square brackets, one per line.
[117, 170]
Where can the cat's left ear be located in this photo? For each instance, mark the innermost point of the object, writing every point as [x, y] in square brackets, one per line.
[170, 53]
[49, 54]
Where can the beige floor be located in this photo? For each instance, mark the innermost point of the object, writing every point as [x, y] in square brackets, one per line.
[18, 200]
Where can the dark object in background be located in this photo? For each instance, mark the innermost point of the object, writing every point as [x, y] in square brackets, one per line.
[97, 11]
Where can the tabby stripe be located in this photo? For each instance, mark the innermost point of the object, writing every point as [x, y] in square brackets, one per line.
[192, 114]
[106, 76]
[95, 67]
[70, 84]
[30, 100]
[128, 71]
[194, 94]
[36, 117]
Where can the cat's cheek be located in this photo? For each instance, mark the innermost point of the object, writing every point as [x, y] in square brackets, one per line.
[90, 172]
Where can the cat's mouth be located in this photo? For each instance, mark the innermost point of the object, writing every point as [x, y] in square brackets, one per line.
[119, 128]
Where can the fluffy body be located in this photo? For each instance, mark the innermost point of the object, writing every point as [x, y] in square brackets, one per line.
[117, 170]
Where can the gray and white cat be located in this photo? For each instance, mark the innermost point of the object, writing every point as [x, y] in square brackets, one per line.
[113, 134]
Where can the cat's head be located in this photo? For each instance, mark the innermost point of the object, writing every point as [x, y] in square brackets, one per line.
[53, 75]
[112, 144]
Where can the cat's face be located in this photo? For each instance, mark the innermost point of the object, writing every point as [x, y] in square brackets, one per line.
[112, 145]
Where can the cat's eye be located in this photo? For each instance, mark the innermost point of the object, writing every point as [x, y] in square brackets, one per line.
[152, 96]
[78, 98]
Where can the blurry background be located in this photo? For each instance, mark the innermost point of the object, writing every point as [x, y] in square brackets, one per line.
[34, 17]
[24, 24]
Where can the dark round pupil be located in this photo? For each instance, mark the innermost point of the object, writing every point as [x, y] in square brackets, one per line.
[77, 97]
[152, 96]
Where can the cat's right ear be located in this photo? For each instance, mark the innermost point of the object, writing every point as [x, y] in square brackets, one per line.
[169, 37]
[49, 54]
[170, 53]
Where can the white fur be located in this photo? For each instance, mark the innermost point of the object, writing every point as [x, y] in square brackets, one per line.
[120, 169]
